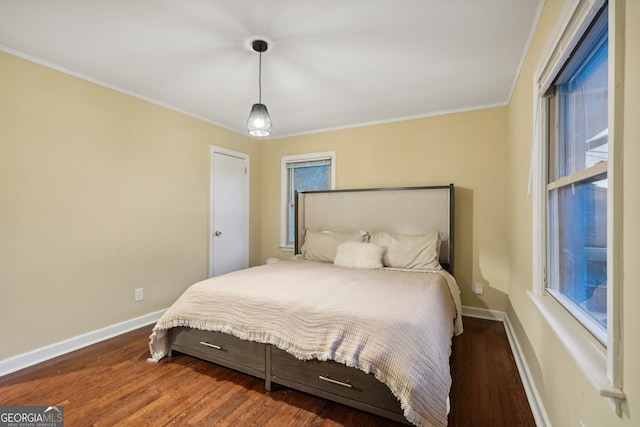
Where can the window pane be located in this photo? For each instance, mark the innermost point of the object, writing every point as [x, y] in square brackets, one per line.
[583, 129]
[292, 224]
[311, 178]
[306, 178]
[578, 246]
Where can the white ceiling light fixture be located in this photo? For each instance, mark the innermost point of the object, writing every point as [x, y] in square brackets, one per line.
[259, 122]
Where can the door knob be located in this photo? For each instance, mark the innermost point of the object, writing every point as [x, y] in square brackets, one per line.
[218, 233]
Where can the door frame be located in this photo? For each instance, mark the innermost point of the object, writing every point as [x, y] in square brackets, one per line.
[220, 150]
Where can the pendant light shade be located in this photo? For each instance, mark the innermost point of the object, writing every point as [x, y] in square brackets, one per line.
[259, 122]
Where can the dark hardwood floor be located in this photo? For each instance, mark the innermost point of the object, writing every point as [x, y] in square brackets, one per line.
[487, 389]
[111, 383]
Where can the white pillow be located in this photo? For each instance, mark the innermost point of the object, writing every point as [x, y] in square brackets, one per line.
[322, 245]
[420, 251]
[359, 255]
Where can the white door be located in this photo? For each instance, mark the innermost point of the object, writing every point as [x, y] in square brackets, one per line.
[229, 211]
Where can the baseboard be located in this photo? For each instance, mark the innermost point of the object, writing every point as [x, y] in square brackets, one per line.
[537, 408]
[539, 413]
[43, 354]
[483, 313]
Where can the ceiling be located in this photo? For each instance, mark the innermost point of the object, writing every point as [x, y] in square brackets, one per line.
[331, 64]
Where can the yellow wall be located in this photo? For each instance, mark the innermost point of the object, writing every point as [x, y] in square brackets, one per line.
[100, 193]
[567, 395]
[466, 149]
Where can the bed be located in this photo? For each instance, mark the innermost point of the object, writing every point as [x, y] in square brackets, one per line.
[363, 314]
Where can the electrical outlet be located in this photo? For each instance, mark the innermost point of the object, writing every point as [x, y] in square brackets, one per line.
[478, 288]
[139, 294]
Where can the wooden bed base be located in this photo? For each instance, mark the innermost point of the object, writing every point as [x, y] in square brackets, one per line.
[326, 379]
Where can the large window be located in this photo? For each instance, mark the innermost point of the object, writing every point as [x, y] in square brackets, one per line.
[577, 181]
[306, 172]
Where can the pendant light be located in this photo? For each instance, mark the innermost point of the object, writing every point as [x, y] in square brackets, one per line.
[259, 123]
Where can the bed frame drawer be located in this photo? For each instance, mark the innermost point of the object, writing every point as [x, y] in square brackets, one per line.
[220, 348]
[335, 381]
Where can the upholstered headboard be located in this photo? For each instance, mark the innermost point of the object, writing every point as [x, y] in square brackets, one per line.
[407, 210]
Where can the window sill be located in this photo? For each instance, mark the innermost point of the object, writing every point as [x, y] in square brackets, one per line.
[286, 248]
[589, 355]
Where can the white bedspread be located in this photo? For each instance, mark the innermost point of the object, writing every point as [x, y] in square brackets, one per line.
[395, 324]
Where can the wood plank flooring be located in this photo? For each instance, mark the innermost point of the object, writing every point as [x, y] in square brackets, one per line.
[111, 383]
[487, 389]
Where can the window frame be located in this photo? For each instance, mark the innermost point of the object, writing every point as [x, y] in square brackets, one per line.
[557, 178]
[601, 363]
[285, 190]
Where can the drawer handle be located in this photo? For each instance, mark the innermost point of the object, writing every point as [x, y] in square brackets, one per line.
[331, 380]
[208, 344]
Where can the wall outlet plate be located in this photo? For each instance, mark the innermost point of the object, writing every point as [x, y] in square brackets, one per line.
[478, 288]
[139, 294]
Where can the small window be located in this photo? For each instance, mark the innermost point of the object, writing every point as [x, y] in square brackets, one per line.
[577, 181]
[307, 172]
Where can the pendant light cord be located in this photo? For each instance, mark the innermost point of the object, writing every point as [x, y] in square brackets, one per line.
[260, 79]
